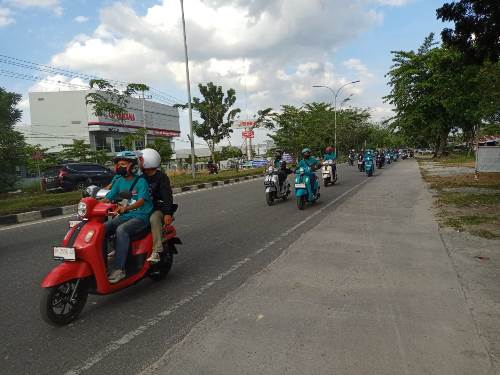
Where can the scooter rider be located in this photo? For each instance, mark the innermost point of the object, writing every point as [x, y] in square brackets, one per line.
[309, 164]
[129, 219]
[161, 193]
[280, 165]
[330, 153]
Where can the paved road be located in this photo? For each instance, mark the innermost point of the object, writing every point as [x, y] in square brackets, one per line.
[229, 234]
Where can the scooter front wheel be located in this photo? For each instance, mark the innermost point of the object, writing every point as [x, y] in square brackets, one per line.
[61, 304]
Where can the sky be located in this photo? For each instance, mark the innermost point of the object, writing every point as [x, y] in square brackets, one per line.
[270, 51]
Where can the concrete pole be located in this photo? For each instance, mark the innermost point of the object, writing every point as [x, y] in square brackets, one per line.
[190, 110]
[144, 120]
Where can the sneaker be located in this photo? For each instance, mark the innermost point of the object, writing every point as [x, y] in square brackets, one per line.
[116, 276]
[154, 258]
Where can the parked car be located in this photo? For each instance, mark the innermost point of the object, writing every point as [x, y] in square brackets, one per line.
[75, 176]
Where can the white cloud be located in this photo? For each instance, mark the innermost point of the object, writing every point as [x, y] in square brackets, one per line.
[393, 2]
[5, 17]
[274, 50]
[81, 19]
[54, 5]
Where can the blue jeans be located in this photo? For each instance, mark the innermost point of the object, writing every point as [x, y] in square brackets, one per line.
[124, 229]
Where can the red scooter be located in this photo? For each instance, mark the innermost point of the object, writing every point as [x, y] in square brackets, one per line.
[84, 264]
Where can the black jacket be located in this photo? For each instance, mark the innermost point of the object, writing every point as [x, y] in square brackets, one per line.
[161, 192]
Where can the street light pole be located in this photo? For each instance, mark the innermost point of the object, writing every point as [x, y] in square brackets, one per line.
[335, 95]
[190, 110]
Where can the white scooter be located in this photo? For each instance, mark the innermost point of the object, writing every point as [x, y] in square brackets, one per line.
[329, 172]
[273, 189]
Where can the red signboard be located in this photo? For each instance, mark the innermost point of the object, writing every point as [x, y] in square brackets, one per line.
[248, 134]
[166, 133]
[244, 124]
[122, 116]
[37, 155]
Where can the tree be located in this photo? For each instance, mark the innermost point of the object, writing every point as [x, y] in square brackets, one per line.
[433, 92]
[76, 151]
[477, 29]
[229, 152]
[12, 143]
[164, 149]
[216, 113]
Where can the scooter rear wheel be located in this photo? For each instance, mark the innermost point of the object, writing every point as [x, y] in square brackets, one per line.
[270, 198]
[61, 304]
[161, 269]
[301, 202]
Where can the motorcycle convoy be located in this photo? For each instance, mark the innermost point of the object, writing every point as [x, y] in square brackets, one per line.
[86, 249]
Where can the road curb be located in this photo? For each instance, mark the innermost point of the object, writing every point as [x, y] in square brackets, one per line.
[25, 217]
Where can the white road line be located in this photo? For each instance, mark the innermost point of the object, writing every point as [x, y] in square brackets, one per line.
[117, 344]
[55, 218]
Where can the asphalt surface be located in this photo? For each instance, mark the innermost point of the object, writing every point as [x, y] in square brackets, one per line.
[229, 234]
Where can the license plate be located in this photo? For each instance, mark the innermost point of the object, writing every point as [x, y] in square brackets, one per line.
[64, 253]
[300, 186]
[50, 179]
[74, 223]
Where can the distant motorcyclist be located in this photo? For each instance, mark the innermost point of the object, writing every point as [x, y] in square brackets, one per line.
[281, 167]
[309, 164]
[351, 157]
[212, 167]
[330, 153]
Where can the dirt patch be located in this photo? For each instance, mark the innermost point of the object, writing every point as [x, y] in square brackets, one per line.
[464, 201]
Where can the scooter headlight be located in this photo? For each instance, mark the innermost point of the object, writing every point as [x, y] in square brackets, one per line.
[301, 170]
[82, 209]
[270, 169]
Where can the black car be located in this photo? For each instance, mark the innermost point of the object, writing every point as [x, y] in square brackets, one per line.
[76, 176]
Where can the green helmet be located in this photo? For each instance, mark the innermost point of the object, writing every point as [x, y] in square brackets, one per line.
[126, 155]
[306, 150]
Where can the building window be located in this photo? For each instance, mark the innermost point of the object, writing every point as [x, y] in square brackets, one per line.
[76, 122]
[139, 145]
[118, 145]
[101, 143]
[40, 99]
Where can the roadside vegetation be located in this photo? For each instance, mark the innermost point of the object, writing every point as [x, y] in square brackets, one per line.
[33, 199]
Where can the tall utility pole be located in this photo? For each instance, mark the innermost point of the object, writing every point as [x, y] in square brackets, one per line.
[190, 110]
[335, 95]
[144, 120]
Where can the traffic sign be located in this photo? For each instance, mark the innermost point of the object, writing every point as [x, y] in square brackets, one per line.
[248, 134]
[244, 124]
[37, 155]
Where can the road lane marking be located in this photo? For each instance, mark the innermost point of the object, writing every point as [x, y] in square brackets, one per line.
[128, 337]
[15, 226]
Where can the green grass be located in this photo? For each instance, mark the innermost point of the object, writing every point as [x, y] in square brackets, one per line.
[460, 158]
[468, 199]
[485, 234]
[32, 200]
[460, 221]
[185, 179]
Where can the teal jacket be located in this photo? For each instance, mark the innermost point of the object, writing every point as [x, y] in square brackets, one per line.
[308, 163]
[330, 156]
[140, 190]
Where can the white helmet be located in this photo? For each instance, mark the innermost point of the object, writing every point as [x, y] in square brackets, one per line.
[150, 158]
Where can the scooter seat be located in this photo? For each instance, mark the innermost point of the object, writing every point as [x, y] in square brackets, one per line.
[143, 233]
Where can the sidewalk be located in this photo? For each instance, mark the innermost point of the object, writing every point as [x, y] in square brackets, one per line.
[370, 290]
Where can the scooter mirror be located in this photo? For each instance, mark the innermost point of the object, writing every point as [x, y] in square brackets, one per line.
[90, 191]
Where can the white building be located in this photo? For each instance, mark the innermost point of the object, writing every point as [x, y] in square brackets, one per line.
[59, 117]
